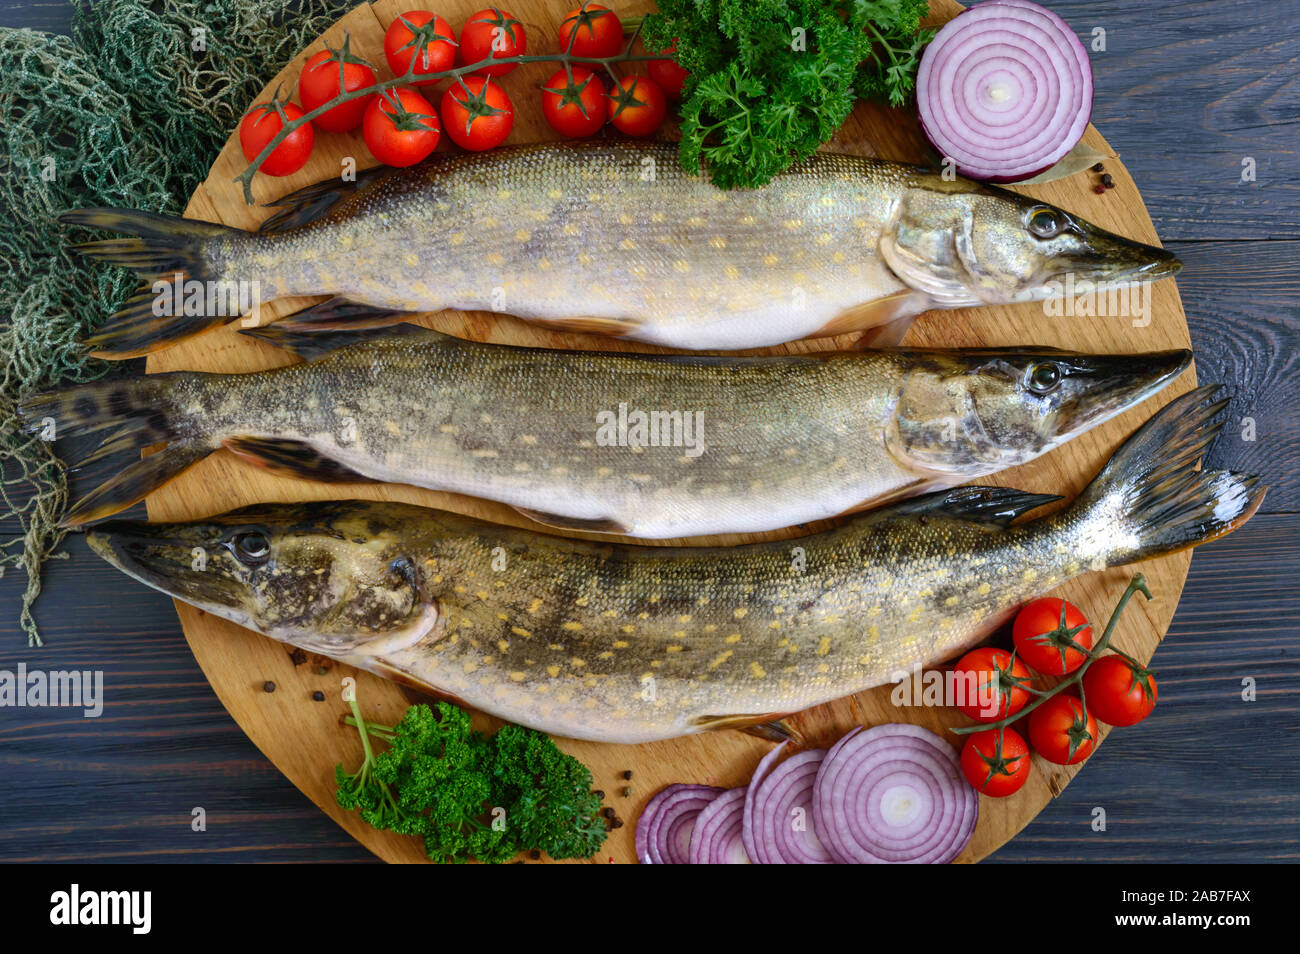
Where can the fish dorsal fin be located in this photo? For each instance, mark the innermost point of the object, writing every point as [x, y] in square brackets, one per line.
[310, 344]
[315, 201]
[996, 506]
[292, 458]
[583, 524]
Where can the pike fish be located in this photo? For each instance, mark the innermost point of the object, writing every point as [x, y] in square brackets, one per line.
[651, 446]
[615, 238]
[624, 643]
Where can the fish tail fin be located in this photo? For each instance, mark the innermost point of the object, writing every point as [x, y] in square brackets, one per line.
[161, 249]
[1150, 498]
[136, 414]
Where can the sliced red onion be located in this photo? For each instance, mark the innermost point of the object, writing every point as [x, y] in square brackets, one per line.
[778, 827]
[893, 794]
[663, 832]
[717, 838]
[1004, 90]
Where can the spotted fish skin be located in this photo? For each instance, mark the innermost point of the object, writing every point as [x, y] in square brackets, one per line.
[615, 237]
[629, 644]
[728, 444]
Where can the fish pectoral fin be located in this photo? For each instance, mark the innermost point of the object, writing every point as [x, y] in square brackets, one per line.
[896, 309]
[885, 336]
[291, 458]
[339, 314]
[612, 327]
[584, 524]
[770, 725]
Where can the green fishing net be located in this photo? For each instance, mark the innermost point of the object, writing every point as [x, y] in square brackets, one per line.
[130, 111]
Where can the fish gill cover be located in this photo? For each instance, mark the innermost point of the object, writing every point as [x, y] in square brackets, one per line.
[129, 111]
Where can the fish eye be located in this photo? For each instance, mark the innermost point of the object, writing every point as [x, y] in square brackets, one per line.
[1044, 378]
[251, 547]
[1045, 222]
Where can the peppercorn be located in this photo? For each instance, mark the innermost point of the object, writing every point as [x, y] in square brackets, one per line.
[1108, 181]
[617, 823]
[1099, 189]
[1099, 168]
[268, 686]
[627, 791]
[318, 696]
[628, 774]
[608, 813]
[297, 657]
[322, 670]
[534, 854]
[599, 793]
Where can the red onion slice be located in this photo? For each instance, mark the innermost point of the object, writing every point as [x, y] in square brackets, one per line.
[663, 832]
[1004, 90]
[717, 838]
[778, 821]
[893, 794]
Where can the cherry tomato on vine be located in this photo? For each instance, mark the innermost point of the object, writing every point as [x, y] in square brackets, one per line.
[1062, 731]
[637, 106]
[995, 762]
[401, 127]
[668, 74]
[421, 36]
[319, 83]
[492, 33]
[599, 31]
[479, 117]
[988, 679]
[1043, 632]
[575, 107]
[261, 124]
[1117, 692]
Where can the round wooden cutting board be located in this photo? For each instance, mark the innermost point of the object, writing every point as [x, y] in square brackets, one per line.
[305, 739]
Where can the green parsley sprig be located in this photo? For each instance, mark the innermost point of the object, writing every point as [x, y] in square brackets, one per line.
[771, 80]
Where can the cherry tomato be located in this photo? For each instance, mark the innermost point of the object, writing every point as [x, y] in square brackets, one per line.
[988, 680]
[1062, 731]
[401, 127]
[479, 118]
[492, 32]
[668, 74]
[260, 126]
[637, 106]
[995, 762]
[319, 83]
[577, 107]
[599, 31]
[421, 36]
[1043, 631]
[1118, 693]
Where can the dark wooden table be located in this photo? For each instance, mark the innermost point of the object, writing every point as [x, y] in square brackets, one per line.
[1186, 91]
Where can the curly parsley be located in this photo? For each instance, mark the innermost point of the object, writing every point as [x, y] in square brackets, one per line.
[771, 80]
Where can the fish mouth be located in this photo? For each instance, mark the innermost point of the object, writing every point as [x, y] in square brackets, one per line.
[173, 560]
[1113, 259]
[1122, 382]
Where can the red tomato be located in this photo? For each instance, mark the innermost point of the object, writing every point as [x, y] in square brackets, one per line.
[574, 107]
[260, 126]
[599, 31]
[1043, 632]
[668, 74]
[1062, 731]
[421, 36]
[319, 83]
[401, 127]
[479, 118]
[1117, 693]
[637, 106]
[995, 762]
[492, 33]
[991, 681]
